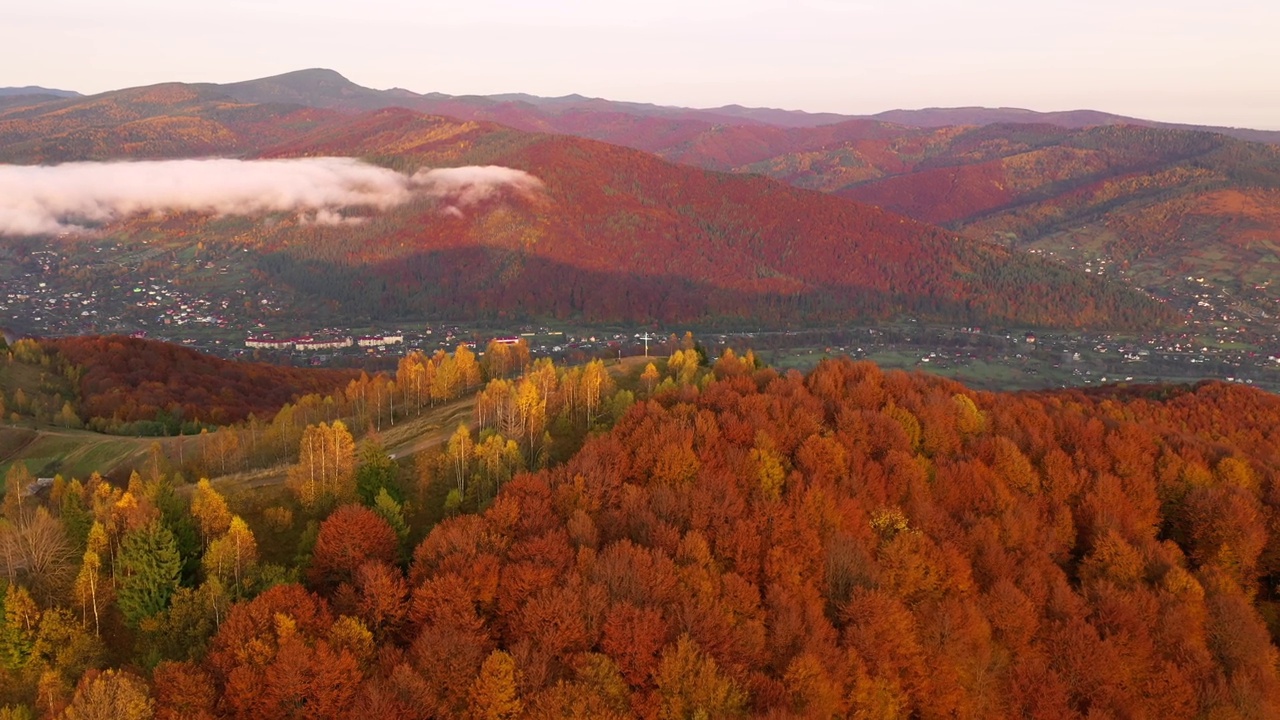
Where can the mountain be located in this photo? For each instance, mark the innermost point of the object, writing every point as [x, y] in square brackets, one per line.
[168, 120]
[574, 114]
[1160, 203]
[36, 90]
[942, 117]
[328, 89]
[1178, 200]
[616, 235]
[315, 88]
[31, 95]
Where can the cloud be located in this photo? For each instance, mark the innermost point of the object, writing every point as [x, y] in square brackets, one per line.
[36, 200]
[473, 184]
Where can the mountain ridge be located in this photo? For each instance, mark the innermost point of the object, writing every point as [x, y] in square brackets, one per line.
[926, 117]
[609, 216]
[37, 90]
[530, 112]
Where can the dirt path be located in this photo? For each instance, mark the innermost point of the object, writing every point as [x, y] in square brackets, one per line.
[407, 438]
[431, 430]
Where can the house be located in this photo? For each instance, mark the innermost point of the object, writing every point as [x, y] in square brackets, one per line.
[372, 341]
[267, 343]
[327, 344]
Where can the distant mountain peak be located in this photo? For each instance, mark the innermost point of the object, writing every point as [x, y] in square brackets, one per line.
[37, 90]
[313, 75]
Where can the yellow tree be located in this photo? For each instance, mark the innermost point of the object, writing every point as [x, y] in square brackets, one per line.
[650, 378]
[411, 376]
[326, 464]
[493, 694]
[544, 375]
[497, 359]
[209, 509]
[306, 478]
[492, 402]
[530, 415]
[222, 450]
[520, 355]
[683, 366]
[66, 418]
[111, 695]
[596, 384]
[459, 452]
[232, 556]
[92, 589]
[444, 381]
[499, 459]
[469, 374]
[343, 448]
[690, 684]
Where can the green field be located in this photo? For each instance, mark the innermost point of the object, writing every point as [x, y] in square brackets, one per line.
[70, 453]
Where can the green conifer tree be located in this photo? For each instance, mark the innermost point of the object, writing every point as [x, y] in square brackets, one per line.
[149, 568]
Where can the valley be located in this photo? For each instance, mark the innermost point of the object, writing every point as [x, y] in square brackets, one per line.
[340, 403]
[211, 303]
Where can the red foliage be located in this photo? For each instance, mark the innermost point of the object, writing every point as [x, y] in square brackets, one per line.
[274, 661]
[183, 692]
[348, 539]
[250, 631]
[851, 543]
[621, 234]
[128, 379]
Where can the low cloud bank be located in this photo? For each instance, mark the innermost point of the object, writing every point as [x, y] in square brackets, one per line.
[38, 200]
[472, 184]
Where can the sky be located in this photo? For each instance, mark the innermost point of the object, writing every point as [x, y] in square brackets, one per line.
[1174, 60]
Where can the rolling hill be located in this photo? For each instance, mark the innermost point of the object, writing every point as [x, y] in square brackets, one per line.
[1075, 119]
[1165, 201]
[328, 89]
[1169, 192]
[36, 90]
[159, 121]
[1160, 203]
[616, 234]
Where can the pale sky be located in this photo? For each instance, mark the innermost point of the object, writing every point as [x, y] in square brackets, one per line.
[1174, 60]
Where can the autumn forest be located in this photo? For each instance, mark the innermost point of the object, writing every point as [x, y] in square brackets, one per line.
[678, 539]
[447, 520]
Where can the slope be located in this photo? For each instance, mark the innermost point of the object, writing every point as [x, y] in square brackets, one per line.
[617, 235]
[1019, 177]
[1164, 203]
[1075, 119]
[158, 121]
[851, 543]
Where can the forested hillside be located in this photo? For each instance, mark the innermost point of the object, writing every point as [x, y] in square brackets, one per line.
[108, 383]
[129, 379]
[852, 543]
[613, 234]
[169, 120]
[1160, 202]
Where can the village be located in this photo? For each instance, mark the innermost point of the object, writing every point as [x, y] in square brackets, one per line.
[56, 294]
